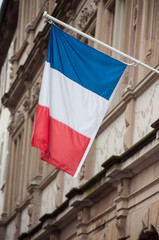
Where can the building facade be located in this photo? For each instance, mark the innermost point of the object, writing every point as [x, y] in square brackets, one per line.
[115, 195]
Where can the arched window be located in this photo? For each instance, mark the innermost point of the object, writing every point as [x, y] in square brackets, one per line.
[149, 235]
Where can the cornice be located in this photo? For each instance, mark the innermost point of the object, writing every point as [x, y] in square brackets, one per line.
[117, 159]
[86, 194]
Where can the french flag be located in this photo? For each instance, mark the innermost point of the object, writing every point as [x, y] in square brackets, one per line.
[77, 86]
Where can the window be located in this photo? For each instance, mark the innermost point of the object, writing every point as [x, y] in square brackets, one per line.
[15, 169]
[149, 235]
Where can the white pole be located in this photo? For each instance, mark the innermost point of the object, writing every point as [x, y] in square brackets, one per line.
[49, 17]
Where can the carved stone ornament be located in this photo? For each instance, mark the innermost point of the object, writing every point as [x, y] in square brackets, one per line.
[35, 92]
[148, 56]
[120, 188]
[70, 13]
[19, 117]
[86, 13]
[83, 215]
[82, 172]
[11, 125]
[120, 225]
[27, 101]
[11, 75]
[30, 212]
[16, 120]
[80, 216]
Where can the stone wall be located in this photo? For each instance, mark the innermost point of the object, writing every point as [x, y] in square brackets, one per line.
[115, 195]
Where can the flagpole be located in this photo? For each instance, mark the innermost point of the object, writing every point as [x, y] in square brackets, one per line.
[138, 62]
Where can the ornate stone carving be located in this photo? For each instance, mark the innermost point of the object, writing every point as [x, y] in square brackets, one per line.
[35, 92]
[83, 215]
[80, 216]
[84, 18]
[86, 13]
[19, 117]
[70, 13]
[30, 212]
[34, 204]
[148, 56]
[27, 101]
[120, 225]
[121, 207]
[120, 188]
[123, 186]
[11, 75]
[16, 120]
[82, 172]
[11, 125]
[100, 222]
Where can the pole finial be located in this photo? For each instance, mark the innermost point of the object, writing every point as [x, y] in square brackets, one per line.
[45, 14]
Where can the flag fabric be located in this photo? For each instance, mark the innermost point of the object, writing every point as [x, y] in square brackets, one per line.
[77, 86]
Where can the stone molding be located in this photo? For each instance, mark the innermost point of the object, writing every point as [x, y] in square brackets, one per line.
[82, 198]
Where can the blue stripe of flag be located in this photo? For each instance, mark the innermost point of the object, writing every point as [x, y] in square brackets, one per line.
[83, 64]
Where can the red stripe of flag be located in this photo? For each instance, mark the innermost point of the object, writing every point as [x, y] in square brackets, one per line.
[61, 146]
